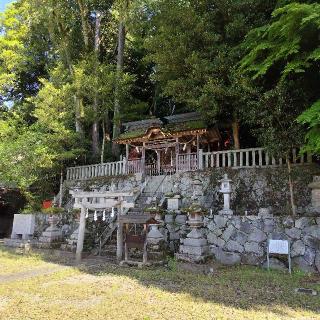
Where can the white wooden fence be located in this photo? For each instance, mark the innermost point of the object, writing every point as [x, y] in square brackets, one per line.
[96, 170]
[242, 158]
[246, 158]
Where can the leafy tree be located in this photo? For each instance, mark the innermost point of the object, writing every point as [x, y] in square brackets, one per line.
[283, 57]
[195, 47]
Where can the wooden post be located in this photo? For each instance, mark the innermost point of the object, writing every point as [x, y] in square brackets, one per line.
[143, 159]
[158, 161]
[177, 154]
[81, 234]
[119, 241]
[200, 160]
[198, 154]
[61, 189]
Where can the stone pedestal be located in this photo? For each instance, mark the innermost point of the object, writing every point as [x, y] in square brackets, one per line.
[195, 247]
[154, 236]
[52, 233]
[174, 203]
[155, 244]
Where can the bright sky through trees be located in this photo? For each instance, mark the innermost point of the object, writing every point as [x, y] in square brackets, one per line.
[3, 4]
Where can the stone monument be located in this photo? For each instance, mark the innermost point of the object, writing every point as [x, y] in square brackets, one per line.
[226, 190]
[23, 226]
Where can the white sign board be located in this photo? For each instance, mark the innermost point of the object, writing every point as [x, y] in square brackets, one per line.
[279, 246]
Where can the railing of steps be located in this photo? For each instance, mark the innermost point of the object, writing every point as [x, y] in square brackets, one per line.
[248, 158]
[107, 231]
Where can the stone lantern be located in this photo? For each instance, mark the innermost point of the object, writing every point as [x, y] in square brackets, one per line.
[226, 190]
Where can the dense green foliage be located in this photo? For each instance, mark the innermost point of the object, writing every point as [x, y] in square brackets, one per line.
[72, 71]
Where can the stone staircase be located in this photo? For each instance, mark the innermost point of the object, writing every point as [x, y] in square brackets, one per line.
[152, 194]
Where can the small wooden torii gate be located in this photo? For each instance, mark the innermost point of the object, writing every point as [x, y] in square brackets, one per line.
[100, 201]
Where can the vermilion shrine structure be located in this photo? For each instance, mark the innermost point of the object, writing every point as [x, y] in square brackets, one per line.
[167, 145]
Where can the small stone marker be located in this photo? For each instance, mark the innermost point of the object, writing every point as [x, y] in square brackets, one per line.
[278, 247]
[306, 291]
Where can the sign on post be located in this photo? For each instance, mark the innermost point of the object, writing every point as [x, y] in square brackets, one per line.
[278, 247]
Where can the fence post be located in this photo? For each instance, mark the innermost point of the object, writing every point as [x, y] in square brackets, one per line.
[200, 159]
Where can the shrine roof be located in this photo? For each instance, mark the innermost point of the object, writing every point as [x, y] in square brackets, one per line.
[169, 126]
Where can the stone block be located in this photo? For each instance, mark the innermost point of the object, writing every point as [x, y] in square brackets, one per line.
[235, 221]
[240, 237]
[298, 248]
[293, 233]
[197, 251]
[195, 242]
[234, 246]
[288, 222]
[317, 261]
[303, 265]
[168, 218]
[313, 231]
[278, 236]
[220, 221]
[275, 264]
[303, 222]
[253, 247]
[227, 258]
[257, 236]
[268, 225]
[180, 219]
[173, 203]
[174, 235]
[211, 225]
[251, 259]
[309, 255]
[311, 242]
[213, 239]
[23, 226]
[228, 232]
[246, 227]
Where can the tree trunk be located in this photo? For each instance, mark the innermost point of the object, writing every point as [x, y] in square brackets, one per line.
[67, 58]
[95, 125]
[235, 132]
[116, 112]
[103, 142]
[84, 13]
[290, 182]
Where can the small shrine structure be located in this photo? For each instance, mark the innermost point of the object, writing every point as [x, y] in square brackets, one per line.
[166, 145]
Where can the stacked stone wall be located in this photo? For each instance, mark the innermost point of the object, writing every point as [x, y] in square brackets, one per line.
[243, 239]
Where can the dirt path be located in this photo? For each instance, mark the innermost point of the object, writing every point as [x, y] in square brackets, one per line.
[30, 273]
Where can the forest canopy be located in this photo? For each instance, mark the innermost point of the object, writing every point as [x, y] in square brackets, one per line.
[72, 71]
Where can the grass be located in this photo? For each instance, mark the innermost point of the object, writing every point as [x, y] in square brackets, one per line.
[111, 292]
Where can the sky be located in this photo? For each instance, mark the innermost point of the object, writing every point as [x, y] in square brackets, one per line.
[3, 4]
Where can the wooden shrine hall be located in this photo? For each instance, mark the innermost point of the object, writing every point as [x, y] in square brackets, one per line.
[166, 145]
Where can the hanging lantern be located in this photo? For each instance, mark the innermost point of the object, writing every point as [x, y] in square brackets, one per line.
[112, 212]
[95, 217]
[104, 215]
[87, 213]
[184, 147]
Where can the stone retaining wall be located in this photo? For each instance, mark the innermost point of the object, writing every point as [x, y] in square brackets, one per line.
[253, 188]
[242, 239]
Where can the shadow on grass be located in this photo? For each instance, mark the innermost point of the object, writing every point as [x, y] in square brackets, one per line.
[241, 287]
